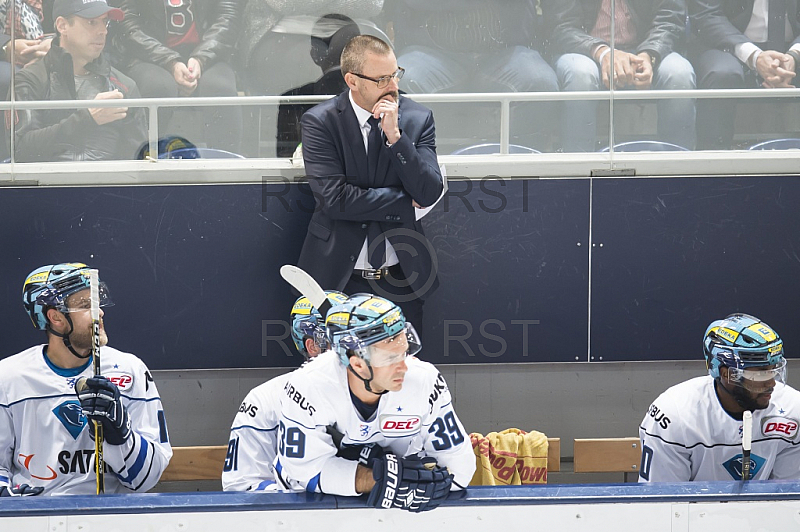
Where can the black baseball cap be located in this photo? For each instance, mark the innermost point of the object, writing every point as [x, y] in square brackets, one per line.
[86, 9]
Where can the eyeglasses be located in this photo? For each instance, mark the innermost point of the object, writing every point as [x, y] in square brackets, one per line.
[383, 81]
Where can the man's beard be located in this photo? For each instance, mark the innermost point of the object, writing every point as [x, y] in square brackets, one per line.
[83, 339]
[746, 400]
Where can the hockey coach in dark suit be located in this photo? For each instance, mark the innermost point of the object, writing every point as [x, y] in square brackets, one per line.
[370, 159]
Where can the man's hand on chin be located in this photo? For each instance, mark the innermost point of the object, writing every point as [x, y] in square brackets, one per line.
[386, 110]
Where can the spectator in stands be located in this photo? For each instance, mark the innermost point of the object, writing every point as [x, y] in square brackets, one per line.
[263, 52]
[733, 35]
[647, 36]
[27, 30]
[46, 432]
[75, 68]
[476, 46]
[185, 48]
[253, 445]
[331, 33]
[694, 430]
[30, 42]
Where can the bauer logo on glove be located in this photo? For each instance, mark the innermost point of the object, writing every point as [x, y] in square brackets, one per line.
[411, 483]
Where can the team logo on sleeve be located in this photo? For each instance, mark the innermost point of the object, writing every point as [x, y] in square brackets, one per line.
[780, 426]
[734, 466]
[394, 425]
[70, 414]
[123, 381]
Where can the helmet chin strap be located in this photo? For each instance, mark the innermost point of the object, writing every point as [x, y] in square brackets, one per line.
[366, 381]
[65, 338]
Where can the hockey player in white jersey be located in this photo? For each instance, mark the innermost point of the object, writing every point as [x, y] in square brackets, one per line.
[46, 437]
[368, 418]
[693, 431]
[253, 444]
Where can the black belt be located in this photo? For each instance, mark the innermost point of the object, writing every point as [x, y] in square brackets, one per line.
[377, 274]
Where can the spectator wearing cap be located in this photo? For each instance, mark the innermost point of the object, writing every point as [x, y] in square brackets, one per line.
[75, 68]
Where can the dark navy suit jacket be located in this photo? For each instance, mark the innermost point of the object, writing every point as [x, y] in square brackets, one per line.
[348, 200]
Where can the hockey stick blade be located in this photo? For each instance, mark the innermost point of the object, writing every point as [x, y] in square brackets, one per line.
[307, 286]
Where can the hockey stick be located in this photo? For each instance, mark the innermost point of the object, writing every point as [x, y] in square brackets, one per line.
[307, 286]
[747, 442]
[94, 292]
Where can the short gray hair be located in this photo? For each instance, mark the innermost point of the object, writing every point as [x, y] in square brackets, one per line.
[355, 52]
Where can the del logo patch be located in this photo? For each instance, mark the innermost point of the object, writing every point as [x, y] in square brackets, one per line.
[124, 381]
[783, 427]
[393, 425]
[734, 466]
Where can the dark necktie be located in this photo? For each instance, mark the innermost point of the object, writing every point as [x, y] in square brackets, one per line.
[776, 24]
[376, 246]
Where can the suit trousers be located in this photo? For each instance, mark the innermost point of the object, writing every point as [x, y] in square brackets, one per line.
[716, 118]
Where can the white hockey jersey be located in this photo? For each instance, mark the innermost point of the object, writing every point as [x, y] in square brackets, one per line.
[253, 443]
[45, 438]
[316, 405]
[687, 435]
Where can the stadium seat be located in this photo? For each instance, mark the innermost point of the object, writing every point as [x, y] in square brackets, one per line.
[777, 144]
[645, 145]
[489, 148]
[200, 153]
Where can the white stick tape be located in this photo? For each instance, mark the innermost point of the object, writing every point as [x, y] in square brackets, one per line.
[94, 294]
[747, 430]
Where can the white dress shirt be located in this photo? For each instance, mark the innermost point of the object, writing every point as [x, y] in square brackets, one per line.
[757, 31]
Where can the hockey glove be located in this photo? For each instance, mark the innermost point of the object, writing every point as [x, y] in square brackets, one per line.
[20, 490]
[408, 483]
[364, 454]
[100, 401]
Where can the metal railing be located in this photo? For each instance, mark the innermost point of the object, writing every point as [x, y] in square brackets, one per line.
[553, 164]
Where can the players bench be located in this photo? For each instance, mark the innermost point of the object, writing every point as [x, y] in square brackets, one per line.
[205, 462]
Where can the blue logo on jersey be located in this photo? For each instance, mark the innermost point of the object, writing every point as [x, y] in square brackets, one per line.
[364, 430]
[70, 415]
[734, 466]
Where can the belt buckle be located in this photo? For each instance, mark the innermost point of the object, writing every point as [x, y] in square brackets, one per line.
[373, 275]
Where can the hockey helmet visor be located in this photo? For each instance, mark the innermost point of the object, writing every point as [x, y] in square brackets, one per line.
[775, 373]
[395, 349]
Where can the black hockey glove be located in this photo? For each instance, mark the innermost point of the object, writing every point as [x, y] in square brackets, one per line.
[364, 454]
[100, 401]
[21, 490]
[409, 483]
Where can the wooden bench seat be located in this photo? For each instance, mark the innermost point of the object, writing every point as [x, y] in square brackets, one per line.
[607, 455]
[205, 462]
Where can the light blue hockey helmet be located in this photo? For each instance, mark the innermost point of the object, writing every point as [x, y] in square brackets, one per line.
[307, 322]
[51, 285]
[739, 342]
[364, 320]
